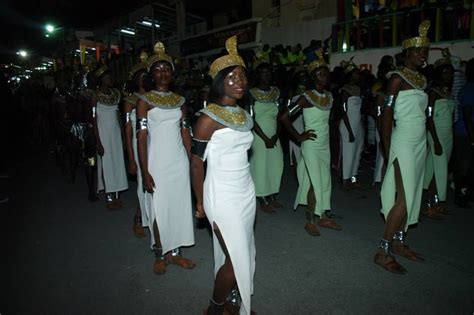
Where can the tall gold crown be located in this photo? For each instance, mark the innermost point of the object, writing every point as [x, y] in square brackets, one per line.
[348, 66]
[160, 55]
[419, 41]
[142, 65]
[319, 62]
[232, 59]
[446, 60]
[102, 69]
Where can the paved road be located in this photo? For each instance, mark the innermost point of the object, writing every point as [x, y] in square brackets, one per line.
[63, 255]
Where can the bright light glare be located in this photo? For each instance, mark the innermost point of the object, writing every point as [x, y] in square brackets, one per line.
[127, 31]
[22, 53]
[49, 28]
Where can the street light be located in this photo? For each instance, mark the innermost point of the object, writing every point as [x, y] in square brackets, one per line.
[22, 53]
[49, 28]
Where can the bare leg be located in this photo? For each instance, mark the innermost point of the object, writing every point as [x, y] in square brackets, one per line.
[138, 230]
[310, 225]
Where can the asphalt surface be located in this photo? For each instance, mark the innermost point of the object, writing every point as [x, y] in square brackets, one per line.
[61, 254]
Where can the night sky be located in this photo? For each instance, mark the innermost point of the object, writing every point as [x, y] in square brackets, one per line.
[23, 21]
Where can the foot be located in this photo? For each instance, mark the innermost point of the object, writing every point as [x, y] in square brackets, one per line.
[401, 249]
[138, 229]
[111, 205]
[312, 229]
[232, 309]
[347, 185]
[180, 261]
[388, 262]
[276, 204]
[442, 210]
[431, 213]
[118, 203]
[329, 223]
[159, 266]
[267, 208]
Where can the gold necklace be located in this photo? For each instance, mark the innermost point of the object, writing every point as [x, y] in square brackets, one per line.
[322, 101]
[112, 98]
[235, 117]
[414, 78]
[270, 96]
[132, 99]
[164, 99]
[444, 92]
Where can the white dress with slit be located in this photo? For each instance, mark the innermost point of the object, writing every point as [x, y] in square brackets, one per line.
[229, 202]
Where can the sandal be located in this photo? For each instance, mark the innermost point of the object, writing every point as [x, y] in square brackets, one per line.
[159, 266]
[400, 249]
[442, 210]
[312, 229]
[265, 205]
[388, 262]
[432, 213]
[329, 223]
[180, 261]
[274, 203]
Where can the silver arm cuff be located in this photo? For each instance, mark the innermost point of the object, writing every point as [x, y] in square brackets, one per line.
[379, 111]
[93, 112]
[127, 117]
[429, 111]
[293, 108]
[184, 124]
[344, 107]
[389, 101]
[142, 124]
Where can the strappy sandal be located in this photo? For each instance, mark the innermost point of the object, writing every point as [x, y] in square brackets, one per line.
[388, 262]
[400, 249]
[175, 258]
[312, 229]
[329, 223]
[431, 213]
[159, 266]
[137, 228]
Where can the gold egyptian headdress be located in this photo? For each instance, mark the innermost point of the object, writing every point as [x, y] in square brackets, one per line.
[419, 41]
[259, 59]
[160, 55]
[232, 59]
[319, 62]
[446, 60]
[348, 66]
[102, 69]
[142, 65]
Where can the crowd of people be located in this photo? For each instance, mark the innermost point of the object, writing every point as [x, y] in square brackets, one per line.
[218, 147]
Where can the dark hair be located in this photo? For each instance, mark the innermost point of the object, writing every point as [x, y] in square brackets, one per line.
[470, 70]
[217, 85]
[400, 58]
[132, 86]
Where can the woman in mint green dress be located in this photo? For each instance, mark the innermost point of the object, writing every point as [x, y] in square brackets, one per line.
[266, 160]
[404, 140]
[314, 170]
[440, 138]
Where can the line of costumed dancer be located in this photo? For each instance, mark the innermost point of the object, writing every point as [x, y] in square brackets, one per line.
[227, 183]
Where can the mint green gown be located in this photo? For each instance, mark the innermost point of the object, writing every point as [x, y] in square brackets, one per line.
[438, 165]
[314, 167]
[266, 165]
[408, 146]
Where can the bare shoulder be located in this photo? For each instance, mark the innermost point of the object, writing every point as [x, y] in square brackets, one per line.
[205, 127]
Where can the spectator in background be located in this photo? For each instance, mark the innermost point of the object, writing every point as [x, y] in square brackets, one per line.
[310, 51]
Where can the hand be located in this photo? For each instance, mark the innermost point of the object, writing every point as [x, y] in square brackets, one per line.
[274, 139]
[200, 213]
[100, 149]
[351, 137]
[438, 149]
[307, 135]
[132, 167]
[148, 183]
[269, 143]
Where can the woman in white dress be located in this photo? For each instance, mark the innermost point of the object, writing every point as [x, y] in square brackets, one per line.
[222, 137]
[350, 127]
[112, 177]
[137, 80]
[164, 148]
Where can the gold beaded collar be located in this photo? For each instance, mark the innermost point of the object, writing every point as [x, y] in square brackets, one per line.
[132, 99]
[233, 117]
[414, 78]
[112, 98]
[164, 100]
[444, 92]
[321, 101]
[270, 96]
